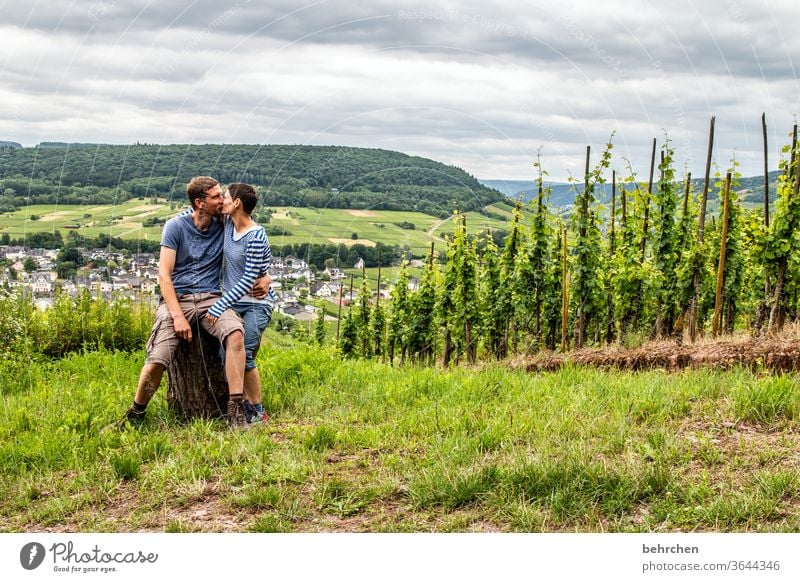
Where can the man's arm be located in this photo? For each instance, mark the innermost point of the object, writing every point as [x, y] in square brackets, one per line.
[166, 264]
[261, 287]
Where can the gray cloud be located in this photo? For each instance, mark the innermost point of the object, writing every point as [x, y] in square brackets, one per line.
[480, 85]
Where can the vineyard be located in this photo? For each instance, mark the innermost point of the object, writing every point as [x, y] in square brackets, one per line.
[654, 266]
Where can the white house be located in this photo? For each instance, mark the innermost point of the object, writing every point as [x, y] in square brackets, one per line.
[147, 272]
[119, 283]
[322, 289]
[334, 274]
[42, 285]
[69, 287]
[295, 264]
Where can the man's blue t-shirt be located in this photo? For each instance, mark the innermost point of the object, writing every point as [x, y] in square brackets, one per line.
[198, 254]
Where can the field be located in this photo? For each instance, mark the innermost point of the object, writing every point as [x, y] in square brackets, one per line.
[363, 446]
[302, 225]
[120, 220]
[325, 226]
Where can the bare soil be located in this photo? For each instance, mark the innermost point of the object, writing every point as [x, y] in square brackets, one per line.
[774, 354]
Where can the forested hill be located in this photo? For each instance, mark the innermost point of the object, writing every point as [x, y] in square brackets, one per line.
[750, 189]
[318, 176]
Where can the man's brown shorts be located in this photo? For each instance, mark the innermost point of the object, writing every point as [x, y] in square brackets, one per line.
[163, 342]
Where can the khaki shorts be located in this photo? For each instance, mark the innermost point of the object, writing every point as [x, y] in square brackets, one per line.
[163, 342]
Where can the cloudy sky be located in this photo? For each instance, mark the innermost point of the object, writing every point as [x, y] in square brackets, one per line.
[482, 85]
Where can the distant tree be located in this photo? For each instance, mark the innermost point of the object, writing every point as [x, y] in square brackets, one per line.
[378, 330]
[398, 316]
[68, 260]
[29, 265]
[423, 323]
[363, 316]
[319, 327]
[349, 334]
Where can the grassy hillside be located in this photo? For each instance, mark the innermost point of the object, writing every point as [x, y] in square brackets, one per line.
[324, 226]
[288, 225]
[126, 220]
[362, 446]
[307, 176]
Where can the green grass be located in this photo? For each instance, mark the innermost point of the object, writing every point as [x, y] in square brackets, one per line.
[335, 226]
[363, 446]
[301, 225]
[118, 220]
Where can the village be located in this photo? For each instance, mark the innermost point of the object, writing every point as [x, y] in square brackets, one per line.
[111, 275]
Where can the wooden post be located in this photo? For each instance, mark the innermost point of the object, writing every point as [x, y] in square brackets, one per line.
[766, 171]
[339, 314]
[539, 268]
[612, 245]
[776, 314]
[613, 207]
[686, 197]
[717, 323]
[351, 291]
[564, 292]
[643, 247]
[700, 233]
[623, 224]
[378, 297]
[766, 208]
[580, 325]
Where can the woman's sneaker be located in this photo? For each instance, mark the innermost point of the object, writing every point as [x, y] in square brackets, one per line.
[256, 413]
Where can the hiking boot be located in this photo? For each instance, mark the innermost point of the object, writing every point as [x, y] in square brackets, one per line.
[237, 417]
[132, 417]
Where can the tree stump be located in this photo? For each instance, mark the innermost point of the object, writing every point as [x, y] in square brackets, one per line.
[196, 386]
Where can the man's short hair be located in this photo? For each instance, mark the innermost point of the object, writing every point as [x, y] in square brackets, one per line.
[198, 187]
[246, 193]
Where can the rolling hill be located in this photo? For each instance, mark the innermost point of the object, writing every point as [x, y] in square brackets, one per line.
[300, 176]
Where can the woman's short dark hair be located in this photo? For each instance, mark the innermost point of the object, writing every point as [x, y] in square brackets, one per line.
[246, 193]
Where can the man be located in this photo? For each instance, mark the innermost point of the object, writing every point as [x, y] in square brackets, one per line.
[247, 256]
[189, 275]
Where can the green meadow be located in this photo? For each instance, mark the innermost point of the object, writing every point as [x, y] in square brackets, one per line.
[364, 446]
[300, 225]
[336, 226]
[126, 220]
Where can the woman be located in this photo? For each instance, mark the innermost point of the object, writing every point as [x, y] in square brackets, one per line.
[247, 256]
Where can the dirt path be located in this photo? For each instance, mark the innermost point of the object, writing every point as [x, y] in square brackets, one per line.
[436, 225]
[772, 354]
